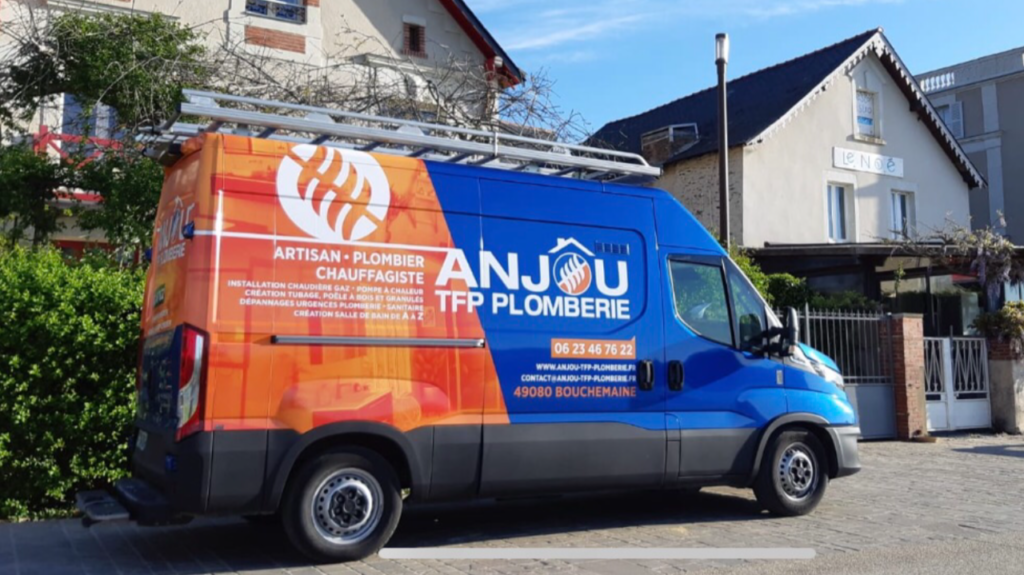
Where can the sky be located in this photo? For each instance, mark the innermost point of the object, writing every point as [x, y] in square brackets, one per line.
[615, 58]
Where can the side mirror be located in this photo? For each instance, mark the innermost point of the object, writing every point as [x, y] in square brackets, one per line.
[791, 330]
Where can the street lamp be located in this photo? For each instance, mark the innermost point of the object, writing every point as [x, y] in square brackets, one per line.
[722, 60]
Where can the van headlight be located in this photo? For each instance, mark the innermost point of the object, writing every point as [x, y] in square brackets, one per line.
[833, 377]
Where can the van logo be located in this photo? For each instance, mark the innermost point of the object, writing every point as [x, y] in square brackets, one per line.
[333, 194]
[572, 273]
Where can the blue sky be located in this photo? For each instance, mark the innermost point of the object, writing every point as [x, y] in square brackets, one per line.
[615, 58]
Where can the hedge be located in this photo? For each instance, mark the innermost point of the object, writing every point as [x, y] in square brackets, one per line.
[68, 345]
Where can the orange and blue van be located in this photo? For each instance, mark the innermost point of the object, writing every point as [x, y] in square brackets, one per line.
[331, 334]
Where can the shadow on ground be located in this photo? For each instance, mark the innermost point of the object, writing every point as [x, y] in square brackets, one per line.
[237, 545]
[1003, 450]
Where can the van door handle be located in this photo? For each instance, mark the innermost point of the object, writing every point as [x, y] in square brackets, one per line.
[645, 375]
[676, 375]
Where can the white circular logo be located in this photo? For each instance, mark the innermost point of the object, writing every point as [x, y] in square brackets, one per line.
[333, 194]
[572, 273]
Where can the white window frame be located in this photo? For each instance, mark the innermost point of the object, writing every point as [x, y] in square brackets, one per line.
[896, 227]
[836, 213]
[875, 129]
[849, 183]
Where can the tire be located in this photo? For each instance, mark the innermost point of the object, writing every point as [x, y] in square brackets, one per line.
[793, 475]
[365, 492]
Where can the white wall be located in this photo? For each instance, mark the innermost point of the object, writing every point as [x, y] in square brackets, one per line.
[785, 177]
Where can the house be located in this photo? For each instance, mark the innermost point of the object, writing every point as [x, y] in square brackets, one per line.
[389, 50]
[982, 102]
[831, 154]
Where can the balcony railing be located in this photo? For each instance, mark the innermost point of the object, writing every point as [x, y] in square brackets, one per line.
[938, 82]
[46, 141]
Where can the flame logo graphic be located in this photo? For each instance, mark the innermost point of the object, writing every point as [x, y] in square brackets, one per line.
[572, 273]
[333, 194]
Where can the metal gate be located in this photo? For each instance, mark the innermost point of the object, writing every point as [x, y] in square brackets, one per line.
[956, 383]
[855, 341]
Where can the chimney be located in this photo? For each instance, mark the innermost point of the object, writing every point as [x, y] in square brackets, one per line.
[659, 145]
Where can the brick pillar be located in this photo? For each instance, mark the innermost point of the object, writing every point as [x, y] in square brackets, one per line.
[907, 344]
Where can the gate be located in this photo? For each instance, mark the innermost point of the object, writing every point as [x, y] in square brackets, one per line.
[956, 383]
[855, 341]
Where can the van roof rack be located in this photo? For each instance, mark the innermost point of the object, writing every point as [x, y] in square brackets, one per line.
[210, 112]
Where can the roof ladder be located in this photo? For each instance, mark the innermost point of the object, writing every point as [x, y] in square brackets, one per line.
[210, 112]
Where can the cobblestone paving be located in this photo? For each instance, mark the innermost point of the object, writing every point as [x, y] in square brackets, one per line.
[961, 488]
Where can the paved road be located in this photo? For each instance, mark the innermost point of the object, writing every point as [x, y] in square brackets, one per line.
[951, 507]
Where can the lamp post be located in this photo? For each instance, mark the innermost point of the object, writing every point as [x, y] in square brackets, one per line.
[722, 60]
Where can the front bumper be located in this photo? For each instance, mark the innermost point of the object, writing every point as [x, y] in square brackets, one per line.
[844, 438]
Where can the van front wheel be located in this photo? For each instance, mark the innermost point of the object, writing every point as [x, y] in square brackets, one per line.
[342, 505]
[793, 474]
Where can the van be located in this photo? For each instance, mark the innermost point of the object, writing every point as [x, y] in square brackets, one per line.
[331, 334]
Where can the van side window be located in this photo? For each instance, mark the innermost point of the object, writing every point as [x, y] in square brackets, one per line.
[700, 299]
[750, 311]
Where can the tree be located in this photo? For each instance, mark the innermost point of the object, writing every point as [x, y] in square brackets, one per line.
[29, 187]
[139, 65]
[983, 253]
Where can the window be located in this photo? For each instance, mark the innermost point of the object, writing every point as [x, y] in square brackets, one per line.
[415, 40]
[699, 294]
[287, 10]
[866, 114]
[953, 116]
[100, 123]
[836, 206]
[751, 320]
[902, 215]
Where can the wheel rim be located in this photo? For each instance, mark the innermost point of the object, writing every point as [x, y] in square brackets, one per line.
[796, 473]
[347, 506]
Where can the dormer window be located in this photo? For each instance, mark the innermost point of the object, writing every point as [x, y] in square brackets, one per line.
[867, 124]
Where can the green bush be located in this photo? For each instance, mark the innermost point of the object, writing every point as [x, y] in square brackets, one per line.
[68, 343]
[787, 290]
[752, 271]
[1007, 324]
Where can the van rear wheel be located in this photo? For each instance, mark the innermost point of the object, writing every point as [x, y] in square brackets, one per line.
[793, 475]
[342, 505]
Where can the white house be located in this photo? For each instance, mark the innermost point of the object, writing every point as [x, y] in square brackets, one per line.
[830, 154]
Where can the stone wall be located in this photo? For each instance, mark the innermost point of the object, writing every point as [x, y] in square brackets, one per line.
[695, 184]
[1006, 386]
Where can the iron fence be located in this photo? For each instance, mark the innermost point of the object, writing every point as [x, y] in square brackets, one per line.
[856, 340]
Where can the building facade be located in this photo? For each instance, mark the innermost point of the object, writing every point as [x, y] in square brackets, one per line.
[403, 45]
[982, 102]
[832, 154]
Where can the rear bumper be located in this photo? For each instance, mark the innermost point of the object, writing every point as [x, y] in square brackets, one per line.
[844, 438]
[131, 499]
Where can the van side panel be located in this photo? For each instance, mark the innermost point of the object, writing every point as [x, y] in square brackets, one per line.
[567, 331]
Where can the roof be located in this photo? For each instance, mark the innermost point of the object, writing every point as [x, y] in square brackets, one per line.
[763, 101]
[483, 40]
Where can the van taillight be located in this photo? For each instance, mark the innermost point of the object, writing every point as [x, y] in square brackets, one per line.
[191, 384]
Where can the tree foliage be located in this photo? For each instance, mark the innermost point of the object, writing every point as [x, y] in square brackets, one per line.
[29, 185]
[137, 64]
[130, 184]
